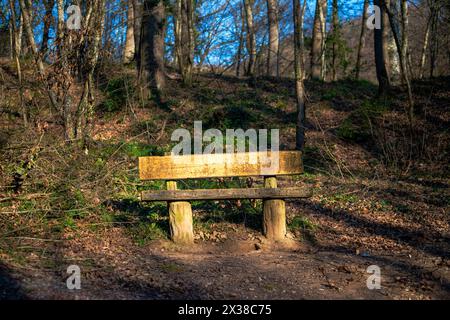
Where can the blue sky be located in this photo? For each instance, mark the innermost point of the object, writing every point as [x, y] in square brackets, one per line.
[223, 50]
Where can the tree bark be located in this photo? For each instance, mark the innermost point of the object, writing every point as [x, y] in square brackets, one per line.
[241, 43]
[336, 35]
[48, 4]
[362, 40]
[152, 75]
[380, 52]
[251, 39]
[423, 56]
[318, 41]
[299, 49]
[401, 41]
[26, 18]
[185, 38]
[20, 36]
[129, 50]
[387, 40]
[60, 26]
[15, 49]
[434, 40]
[11, 39]
[274, 38]
[137, 13]
[94, 36]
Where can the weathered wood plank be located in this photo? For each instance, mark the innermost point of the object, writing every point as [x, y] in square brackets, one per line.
[226, 194]
[221, 165]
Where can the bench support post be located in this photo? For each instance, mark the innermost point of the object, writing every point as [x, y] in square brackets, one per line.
[274, 223]
[180, 219]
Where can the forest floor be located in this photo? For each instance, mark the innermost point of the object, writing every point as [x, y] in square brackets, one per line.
[377, 200]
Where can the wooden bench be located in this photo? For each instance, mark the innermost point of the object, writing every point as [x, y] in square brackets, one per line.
[268, 165]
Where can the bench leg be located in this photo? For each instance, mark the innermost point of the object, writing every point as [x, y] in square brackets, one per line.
[180, 219]
[274, 223]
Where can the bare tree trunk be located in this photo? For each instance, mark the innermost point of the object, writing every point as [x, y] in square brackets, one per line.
[48, 4]
[11, 39]
[151, 69]
[185, 39]
[138, 12]
[128, 53]
[380, 60]
[251, 39]
[404, 54]
[176, 32]
[318, 40]
[30, 38]
[15, 49]
[423, 56]
[20, 36]
[362, 40]
[274, 38]
[336, 36]
[393, 62]
[434, 41]
[387, 40]
[401, 42]
[60, 26]
[96, 29]
[190, 13]
[241, 42]
[299, 49]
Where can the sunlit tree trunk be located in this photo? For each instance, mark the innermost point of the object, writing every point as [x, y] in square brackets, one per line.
[362, 40]
[336, 35]
[401, 41]
[241, 42]
[403, 52]
[60, 25]
[318, 40]
[128, 52]
[20, 36]
[393, 62]
[251, 38]
[274, 38]
[387, 40]
[299, 49]
[423, 56]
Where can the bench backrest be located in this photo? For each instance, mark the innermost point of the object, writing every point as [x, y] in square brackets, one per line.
[221, 165]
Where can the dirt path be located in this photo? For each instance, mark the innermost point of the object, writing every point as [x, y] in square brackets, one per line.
[112, 269]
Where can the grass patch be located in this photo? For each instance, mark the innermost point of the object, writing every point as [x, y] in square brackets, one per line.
[343, 198]
[358, 126]
[118, 92]
[144, 232]
[300, 225]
